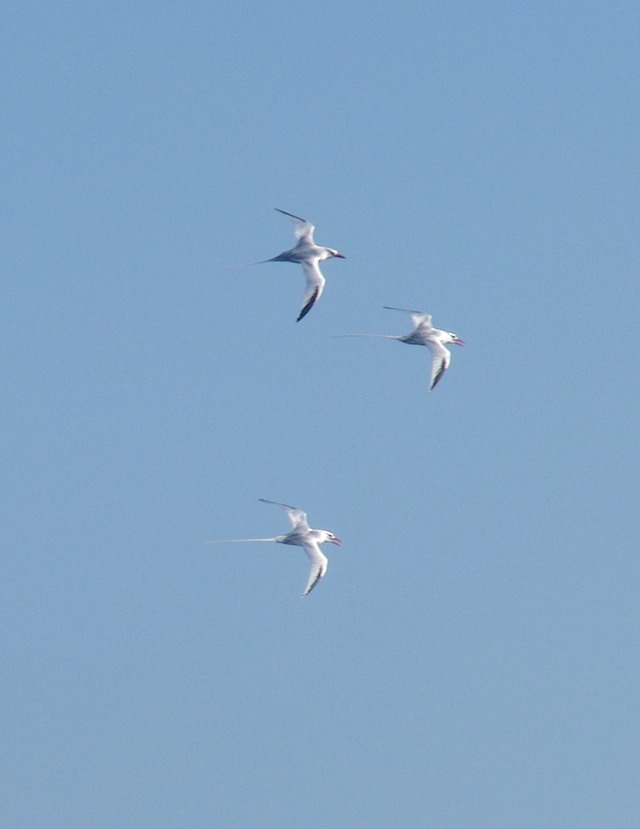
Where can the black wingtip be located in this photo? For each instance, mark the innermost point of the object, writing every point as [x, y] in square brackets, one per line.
[437, 378]
[290, 215]
[309, 305]
[310, 588]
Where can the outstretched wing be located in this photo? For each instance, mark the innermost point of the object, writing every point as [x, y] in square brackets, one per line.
[303, 229]
[418, 318]
[297, 517]
[319, 564]
[440, 359]
[315, 287]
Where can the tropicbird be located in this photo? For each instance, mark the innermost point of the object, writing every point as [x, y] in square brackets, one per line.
[424, 334]
[309, 255]
[300, 536]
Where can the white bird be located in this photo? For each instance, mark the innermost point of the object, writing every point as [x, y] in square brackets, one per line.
[300, 536]
[424, 334]
[309, 255]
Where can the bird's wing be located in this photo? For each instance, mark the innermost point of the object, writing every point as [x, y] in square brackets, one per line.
[297, 517]
[303, 229]
[418, 318]
[319, 564]
[239, 540]
[315, 286]
[440, 359]
[380, 336]
[422, 321]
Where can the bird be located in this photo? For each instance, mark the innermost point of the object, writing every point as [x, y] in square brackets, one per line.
[309, 255]
[424, 334]
[301, 535]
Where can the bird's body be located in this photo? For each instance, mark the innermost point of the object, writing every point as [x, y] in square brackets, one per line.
[425, 334]
[309, 255]
[301, 535]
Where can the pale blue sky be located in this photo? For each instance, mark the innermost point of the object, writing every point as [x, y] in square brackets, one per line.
[471, 658]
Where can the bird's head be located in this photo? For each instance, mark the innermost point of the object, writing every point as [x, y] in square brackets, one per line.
[455, 340]
[334, 253]
[332, 538]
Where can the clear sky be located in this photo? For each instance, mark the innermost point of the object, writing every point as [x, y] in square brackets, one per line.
[471, 658]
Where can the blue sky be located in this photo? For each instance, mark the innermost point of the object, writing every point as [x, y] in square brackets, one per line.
[470, 659]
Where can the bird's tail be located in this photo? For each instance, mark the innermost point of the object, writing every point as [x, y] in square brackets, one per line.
[236, 265]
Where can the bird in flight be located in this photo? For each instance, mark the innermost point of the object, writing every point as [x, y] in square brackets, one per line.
[424, 334]
[309, 255]
[303, 536]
